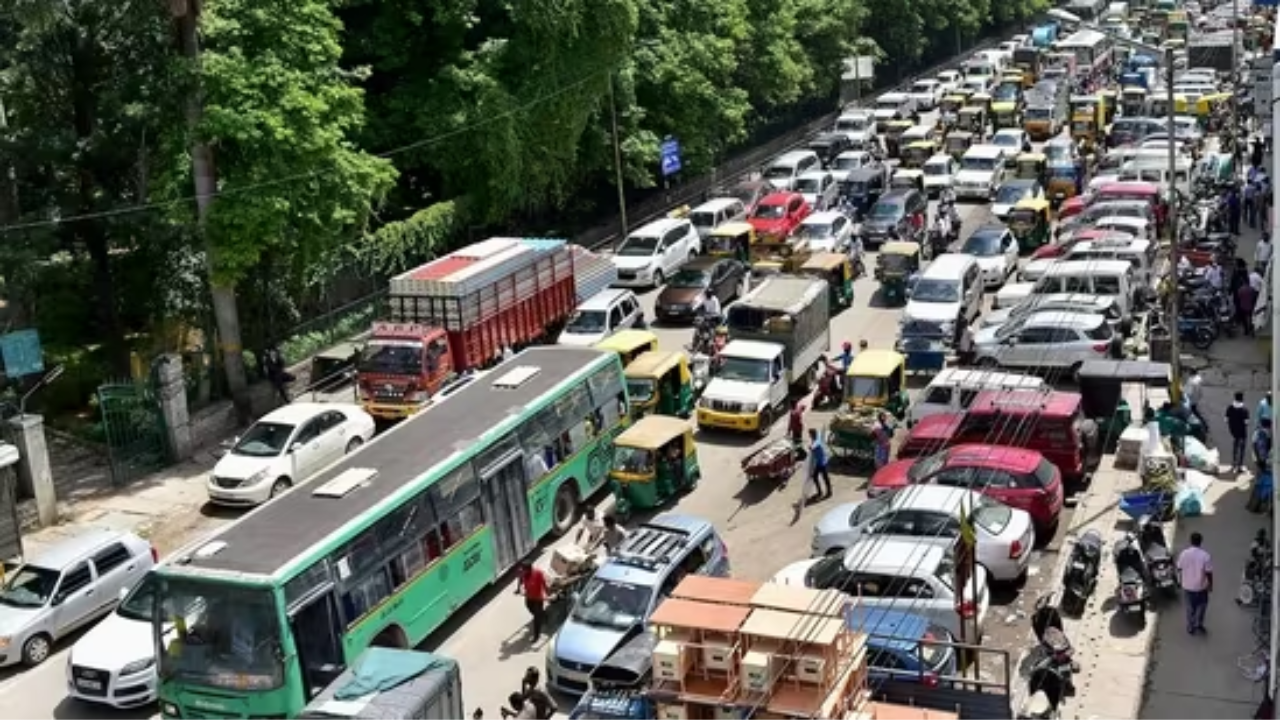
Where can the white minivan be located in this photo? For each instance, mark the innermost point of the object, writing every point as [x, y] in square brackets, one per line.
[654, 252]
[981, 172]
[716, 212]
[953, 390]
[950, 287]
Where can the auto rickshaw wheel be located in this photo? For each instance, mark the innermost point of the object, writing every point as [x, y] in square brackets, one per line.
[564, 510]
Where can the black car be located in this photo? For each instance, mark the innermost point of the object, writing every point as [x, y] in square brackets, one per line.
[683, 296]
[897, 215]
[828, 145]
[861, 188]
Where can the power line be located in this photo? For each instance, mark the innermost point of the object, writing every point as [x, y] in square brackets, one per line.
[416, 145]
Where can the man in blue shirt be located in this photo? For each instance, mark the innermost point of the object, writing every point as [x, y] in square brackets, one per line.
[818, 465]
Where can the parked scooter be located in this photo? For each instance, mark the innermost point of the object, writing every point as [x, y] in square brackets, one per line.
[1255, 584]
[1134, 589]
[1047, 686]
[1080, 578]
[1046, 623]
[1155, 550]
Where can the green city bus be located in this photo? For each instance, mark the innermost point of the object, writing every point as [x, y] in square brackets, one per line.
[383, 546]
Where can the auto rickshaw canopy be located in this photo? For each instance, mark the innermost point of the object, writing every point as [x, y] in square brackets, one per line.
[876, 377]
[899, 257]
[653, 432]
[1036, 205]
[655, 364]
[731, 239]
[827, 262]
[1206, 104]
[1031, 166]
[958, 141]
[629, 343]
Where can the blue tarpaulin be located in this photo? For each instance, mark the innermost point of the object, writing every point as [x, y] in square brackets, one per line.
[381, 669]
[21, 353]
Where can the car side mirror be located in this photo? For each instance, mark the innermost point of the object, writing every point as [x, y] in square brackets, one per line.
[124, 593]
[295, 447]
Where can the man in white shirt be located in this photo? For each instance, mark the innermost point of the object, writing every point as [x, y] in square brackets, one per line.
[1262, 253]
[1255, 281]
[1194, 391]
[1195, 571]
[1214, 275]
[711, 306]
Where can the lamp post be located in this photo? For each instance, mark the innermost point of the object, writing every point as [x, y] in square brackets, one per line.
[1175, 344]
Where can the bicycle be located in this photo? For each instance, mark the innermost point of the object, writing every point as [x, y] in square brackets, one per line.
[1256, 665]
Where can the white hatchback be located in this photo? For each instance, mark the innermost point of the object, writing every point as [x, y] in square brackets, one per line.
[996, 250]
[933, 514]
[115, 663]
[284, 448]
[829, 231]
[893, 573]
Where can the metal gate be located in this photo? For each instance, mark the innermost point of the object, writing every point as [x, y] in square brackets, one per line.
[10, 523]
[133, 426]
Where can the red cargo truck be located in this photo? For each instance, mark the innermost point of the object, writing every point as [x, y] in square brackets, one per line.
[460, 313]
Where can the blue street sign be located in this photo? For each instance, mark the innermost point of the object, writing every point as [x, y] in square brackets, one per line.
[21, 353]
[670, 156]
[1266, 3]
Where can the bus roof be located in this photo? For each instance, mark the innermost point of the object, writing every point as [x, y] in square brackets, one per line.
[267, 540]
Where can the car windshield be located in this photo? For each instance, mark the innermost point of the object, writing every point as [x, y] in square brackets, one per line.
[808, 185]
[393, 357]
[815, 230]
[937, 168]
[779, 172]
[1006, 92]
[983, 245]
[927, 467]
[744, 369]
[638, 246]
[922, 88]
[1006, 140]
[29, 586]
[702, 219]
[770, 212]
[264, 439]
[689, 278]
[1010, 194]
[978, 164]
[871, 509]
[935, 291]
[1057, 153]
[1038, 113]
[823, 573]
[851, 124]
[883, 105]
[641, 389]
[587, 322]
[612, 604]
[846, 163]
[227, 636]
[886, 211]
[991, 515]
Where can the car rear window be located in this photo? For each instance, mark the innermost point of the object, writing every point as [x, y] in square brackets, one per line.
[1045, 472]
[1101, 332]
[991, 515]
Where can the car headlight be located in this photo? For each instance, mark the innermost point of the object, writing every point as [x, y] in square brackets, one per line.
[257, 477]
[4, 641]
[137, 666]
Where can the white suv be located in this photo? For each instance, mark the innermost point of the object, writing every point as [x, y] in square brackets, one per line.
[654, 252]
[1052, 339]
[600, 316]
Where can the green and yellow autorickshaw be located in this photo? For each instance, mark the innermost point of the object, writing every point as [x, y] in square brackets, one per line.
[958, 142]
[897, 262]
[973, 119]
[878, 378]
[917, 153]
[1063, 181]
[629, 344]
[893, 136]
[732, 240]
[653, 460]
[1032, 166]
[1029, 221]
[660, 381]
[837, 270]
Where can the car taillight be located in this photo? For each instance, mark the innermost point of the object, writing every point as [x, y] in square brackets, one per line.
[1015, 549]
[968, 609]
[155, 554]
[1101, 347]
[724, 549]
[929, 680]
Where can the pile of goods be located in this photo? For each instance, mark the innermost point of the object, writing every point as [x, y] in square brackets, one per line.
[855, 421]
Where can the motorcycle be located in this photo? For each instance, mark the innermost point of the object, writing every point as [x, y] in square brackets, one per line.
[1046, 623]
[706, 341]
[1131, 567]
[1080, 578]
[1255, 583]
[1155, 549]
[1048, 686]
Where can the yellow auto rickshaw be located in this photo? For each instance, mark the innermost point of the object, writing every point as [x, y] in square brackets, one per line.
[1031, 166]
[1110, 99]
[893, 135]
[915, 154]
[1205, 107]
[781, 256]
[1158, 105]
[1133, 101]
[951, 104]
[878, 379]
[1004, 114]
[653, 460]
[661, 381]
[837, 270]
[732, 240]
[629, 344]
[958, 142]
[1084, 130]
[1062, 181]
[897, 263]
[973, 119]
[1029, 223]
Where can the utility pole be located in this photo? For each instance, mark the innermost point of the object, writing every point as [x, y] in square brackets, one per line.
[223, 294]
[617, 159]
[1235, 74]
[1175, 253]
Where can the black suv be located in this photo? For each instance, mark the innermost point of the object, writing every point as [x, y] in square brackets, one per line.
[897, 215]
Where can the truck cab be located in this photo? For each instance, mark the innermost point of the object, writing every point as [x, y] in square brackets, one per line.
[401, 367]
[749, 389]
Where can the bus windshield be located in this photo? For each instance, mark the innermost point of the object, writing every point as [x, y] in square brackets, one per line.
[228, 638]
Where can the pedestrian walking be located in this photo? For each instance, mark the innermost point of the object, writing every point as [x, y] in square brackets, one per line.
[882, 436]
[1262, 446]
[1264, 408]
[1195, 572]
[1237, 416]
[1233, 211]
[531, 688]
[1251, 204]
[533, 585]
[820, 475]
[1194, 393]
[795, 426]
[1262, 252]
[277, 375]
[1246, 298]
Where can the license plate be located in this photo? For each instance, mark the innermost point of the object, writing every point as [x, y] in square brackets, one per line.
[1134, 609]
[89, 684]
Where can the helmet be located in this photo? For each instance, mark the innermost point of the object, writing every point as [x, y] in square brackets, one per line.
[722, 330]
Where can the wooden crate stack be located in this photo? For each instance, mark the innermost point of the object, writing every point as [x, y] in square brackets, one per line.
[890, 711]
[732, 649]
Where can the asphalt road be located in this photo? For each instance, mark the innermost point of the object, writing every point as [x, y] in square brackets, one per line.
[759, 525]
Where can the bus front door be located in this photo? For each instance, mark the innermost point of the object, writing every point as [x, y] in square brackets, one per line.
[315, 637]
[506, 506]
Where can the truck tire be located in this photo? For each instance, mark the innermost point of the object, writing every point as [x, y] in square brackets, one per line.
[766, 421]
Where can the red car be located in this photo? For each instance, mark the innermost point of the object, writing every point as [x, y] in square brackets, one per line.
[778, 214]
[1017, 477]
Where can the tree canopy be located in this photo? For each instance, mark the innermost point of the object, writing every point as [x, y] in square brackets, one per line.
[352, 139]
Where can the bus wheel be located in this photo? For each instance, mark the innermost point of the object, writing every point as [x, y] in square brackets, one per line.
[564, 512]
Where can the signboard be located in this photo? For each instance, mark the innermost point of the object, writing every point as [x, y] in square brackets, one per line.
[670, 157]
[21, 353]
[1266, 3]
[860, 68]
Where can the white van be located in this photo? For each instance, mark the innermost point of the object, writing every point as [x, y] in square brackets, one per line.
[716, 212]
[953, 390]
[1093, 277]
[1139, 253]
[981, 172]
[949, 287]
[1013, 293]
[1144, 170]
[785, 168]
